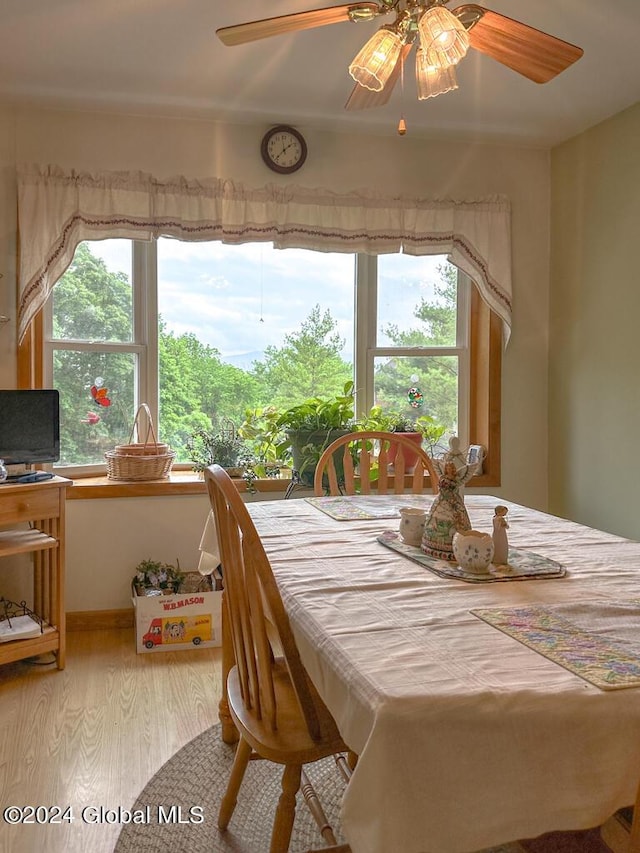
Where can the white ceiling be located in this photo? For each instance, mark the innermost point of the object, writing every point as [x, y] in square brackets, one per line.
[163, 56]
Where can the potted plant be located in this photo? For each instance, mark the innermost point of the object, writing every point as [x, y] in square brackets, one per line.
[303, 431]
[155, 578]
[420, 429]
[431, 432]
[224, 447]
[390, 420]
[266, 440]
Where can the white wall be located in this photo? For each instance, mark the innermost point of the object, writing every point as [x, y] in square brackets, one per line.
[106, 539]
[594, 410]
[7, 249]
[339, 162]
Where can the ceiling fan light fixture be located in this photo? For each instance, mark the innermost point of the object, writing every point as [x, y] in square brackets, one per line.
[373, 64]
[444, 34]
[431, 78]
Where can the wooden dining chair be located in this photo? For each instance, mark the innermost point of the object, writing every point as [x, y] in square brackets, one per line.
[275, 707]
[371, 452]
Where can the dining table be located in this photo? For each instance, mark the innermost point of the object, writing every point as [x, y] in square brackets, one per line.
[483, 707]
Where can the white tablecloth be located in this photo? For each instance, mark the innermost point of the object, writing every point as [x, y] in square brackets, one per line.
[466, 737]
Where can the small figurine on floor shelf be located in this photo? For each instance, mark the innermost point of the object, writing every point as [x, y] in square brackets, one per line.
[500, 543]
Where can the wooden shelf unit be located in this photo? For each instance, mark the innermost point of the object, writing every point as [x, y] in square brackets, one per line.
[41, 506]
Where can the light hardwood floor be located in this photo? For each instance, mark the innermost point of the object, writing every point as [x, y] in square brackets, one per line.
[96, 732]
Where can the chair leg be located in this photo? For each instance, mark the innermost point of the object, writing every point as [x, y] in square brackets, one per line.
[346, 764]
[228, 804]
[286, 811]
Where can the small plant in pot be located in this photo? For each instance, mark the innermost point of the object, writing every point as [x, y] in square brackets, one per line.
[390, 420]
[422, 429]
[303, 431]
[431, 432]
[155, 578]
[224, 447]
[311, 426]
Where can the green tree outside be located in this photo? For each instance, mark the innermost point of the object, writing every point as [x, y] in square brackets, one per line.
[92, 304]
[308, 364]
[197, 389]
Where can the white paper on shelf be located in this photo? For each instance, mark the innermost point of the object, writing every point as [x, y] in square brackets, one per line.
[21, 628]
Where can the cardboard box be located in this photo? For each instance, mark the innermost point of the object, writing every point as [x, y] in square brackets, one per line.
[179, 621]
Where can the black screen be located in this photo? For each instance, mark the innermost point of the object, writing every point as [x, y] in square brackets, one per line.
[29, 427]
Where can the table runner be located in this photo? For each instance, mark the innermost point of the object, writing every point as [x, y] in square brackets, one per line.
[599, 641]
[523, 565]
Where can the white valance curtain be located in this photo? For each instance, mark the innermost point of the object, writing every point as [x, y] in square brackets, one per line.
[58, 209]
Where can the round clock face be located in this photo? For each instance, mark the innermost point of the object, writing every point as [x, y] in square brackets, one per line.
[283, 149]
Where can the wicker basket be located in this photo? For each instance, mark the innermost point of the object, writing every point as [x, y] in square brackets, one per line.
[141, 449]
[147, 460]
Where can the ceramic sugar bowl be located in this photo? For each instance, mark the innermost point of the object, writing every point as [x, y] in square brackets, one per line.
[473, 550]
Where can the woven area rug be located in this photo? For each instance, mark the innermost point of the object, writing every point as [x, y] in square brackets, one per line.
[196, 777]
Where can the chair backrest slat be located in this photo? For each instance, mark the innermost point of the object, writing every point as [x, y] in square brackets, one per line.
[383, 466]
[347, 466]
[399, 467]
[373, 468]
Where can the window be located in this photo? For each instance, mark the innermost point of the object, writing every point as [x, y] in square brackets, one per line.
[203, 331]
[418, 358]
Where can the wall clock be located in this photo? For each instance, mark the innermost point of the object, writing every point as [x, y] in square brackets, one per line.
[283, 149]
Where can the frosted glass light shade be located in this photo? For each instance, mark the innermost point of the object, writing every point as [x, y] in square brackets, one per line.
[431, 78]
[373, 65]
[443, 33]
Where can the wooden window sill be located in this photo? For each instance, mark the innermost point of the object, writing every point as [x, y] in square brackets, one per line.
[178, 483]
[188, 483]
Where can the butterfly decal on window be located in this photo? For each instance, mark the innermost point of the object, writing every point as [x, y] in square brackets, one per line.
[100, 395]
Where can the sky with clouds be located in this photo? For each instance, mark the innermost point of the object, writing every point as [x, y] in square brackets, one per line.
[240, 299]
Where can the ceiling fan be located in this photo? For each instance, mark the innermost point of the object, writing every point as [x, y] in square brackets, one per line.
[442, 38]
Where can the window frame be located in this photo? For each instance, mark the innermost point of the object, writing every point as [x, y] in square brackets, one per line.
[478, 348]
[366, 338]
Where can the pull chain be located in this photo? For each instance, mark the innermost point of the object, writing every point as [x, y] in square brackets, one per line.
[402, 125]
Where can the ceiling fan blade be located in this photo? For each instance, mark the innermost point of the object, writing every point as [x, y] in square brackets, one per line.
[530, 52]
[364, 99]
[254, 30]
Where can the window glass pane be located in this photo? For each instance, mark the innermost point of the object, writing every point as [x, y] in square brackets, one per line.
[419, 386]
[92, 422]
[248, 326]
[93, 300]
[417, 300]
